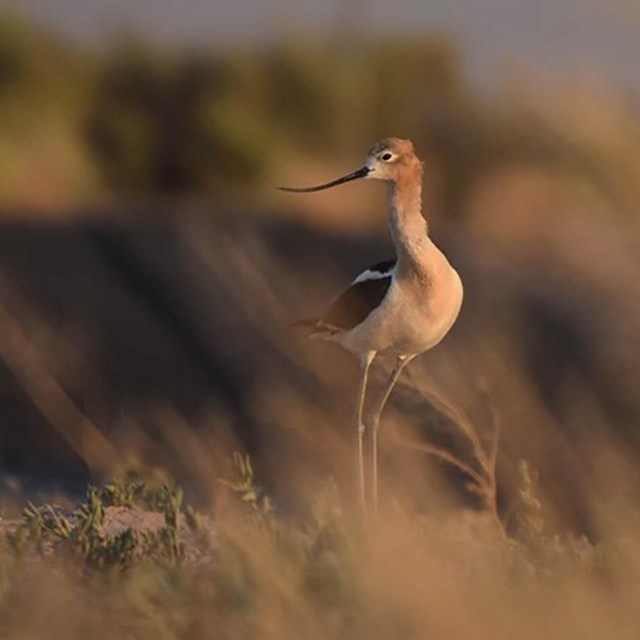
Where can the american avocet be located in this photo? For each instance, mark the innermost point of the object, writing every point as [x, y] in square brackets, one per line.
[404, 306]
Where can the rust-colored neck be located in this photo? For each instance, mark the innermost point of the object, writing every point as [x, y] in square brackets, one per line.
[408, 226]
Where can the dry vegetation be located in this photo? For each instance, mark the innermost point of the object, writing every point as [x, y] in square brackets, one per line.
[328, 575]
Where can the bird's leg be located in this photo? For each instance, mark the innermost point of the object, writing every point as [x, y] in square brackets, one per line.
[365, 362]
[401, 362]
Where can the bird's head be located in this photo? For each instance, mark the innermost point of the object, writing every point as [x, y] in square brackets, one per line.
[391, 159]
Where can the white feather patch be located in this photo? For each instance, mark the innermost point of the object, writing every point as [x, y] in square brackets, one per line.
[373, 275]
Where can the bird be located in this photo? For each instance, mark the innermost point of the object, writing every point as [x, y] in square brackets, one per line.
[401, 307]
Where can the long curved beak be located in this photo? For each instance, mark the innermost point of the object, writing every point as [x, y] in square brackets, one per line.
[360, 173]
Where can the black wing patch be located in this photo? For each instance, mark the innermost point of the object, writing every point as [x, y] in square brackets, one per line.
[352, 306]
[365, 294]
[383, 267]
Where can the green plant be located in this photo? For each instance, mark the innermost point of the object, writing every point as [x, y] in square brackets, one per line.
[241, 482]
[81, 534]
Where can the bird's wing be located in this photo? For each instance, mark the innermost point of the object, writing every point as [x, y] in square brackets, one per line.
[366, 293]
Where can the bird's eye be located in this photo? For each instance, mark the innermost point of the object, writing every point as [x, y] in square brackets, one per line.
[386, 156]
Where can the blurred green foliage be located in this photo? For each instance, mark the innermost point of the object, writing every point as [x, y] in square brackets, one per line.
[137, 120]
[44, 89]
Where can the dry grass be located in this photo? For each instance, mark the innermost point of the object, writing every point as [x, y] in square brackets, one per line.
[401, 575]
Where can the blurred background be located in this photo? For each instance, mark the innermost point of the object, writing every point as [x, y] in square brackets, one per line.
[149, 270]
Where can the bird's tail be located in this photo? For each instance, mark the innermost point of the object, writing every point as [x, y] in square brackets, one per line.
[315, 327]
